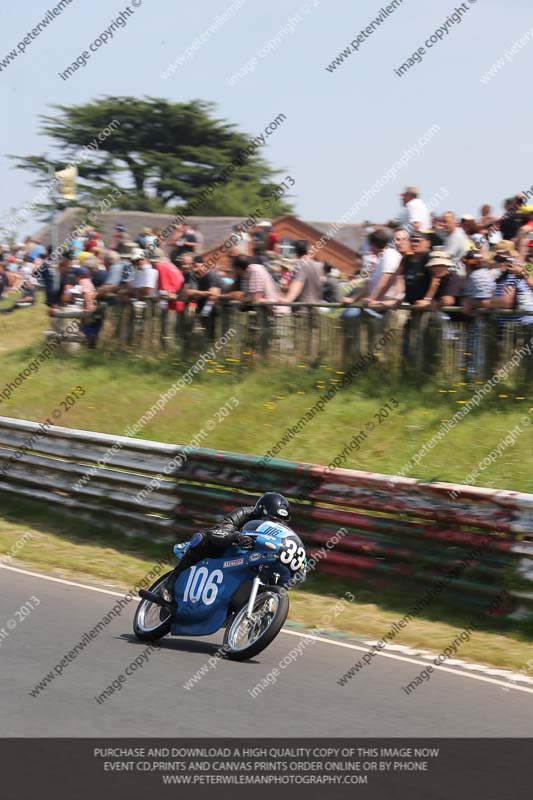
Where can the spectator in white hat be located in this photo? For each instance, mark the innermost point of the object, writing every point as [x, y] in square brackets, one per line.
[145, 280]
[449, 284]
[241, 238]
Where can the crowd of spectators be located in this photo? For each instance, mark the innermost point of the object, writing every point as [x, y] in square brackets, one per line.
[418, 259]
[18, 264]
[443, 261]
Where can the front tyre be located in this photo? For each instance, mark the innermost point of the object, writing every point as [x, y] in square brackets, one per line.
[152, 622]
[245, 638]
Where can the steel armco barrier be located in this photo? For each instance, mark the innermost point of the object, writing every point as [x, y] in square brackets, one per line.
[397, 530]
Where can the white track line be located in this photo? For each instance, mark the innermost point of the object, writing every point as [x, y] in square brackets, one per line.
[411, 661]
[62, 580]
[294, 633]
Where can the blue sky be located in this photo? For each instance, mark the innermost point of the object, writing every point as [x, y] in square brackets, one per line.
[344, 129]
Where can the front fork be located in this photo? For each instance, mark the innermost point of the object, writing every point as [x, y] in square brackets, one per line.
[253, 594]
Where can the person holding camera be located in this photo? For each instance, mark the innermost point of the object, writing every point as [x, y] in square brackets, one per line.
[478, 292]
[512, 291]
[479, 286]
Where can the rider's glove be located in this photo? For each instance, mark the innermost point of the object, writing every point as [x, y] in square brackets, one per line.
[244, 541]
[198, 538]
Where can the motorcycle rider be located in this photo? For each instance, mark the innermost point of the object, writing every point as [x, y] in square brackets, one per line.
[212, 542]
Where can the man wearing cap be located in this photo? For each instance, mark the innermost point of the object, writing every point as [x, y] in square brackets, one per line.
[145, 280]
[119, 238]
[480, 282]
[260, 238]
[413, 269]
[512, 290]
[477, 293]
[415, 215]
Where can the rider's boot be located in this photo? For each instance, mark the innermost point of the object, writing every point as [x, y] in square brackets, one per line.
[186, 561]
[166, 596]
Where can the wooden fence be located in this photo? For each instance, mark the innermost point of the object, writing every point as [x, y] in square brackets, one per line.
[394, 530]
[426, 345]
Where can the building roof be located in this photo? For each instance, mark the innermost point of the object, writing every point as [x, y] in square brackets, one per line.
[351, 236]
[215, 230]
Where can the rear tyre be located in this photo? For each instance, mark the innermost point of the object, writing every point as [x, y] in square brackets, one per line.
[245, 638]
[152, 622]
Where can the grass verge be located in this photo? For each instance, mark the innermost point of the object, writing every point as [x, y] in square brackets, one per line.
[121, 386]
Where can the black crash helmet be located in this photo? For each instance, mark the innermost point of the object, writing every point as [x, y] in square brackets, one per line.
[273, 506]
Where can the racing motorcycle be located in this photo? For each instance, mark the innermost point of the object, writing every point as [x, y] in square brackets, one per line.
[244, 591]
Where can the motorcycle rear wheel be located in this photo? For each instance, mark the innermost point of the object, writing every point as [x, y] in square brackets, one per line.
[245, 638]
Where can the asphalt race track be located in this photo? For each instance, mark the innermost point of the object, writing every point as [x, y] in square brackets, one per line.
[305, 701]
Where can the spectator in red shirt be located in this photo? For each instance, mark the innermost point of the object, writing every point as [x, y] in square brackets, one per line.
[94, 241]
[273, 242]
[170, 280]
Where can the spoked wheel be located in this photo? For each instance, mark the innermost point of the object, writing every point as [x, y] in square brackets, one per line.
[152, 622]
[244, 637]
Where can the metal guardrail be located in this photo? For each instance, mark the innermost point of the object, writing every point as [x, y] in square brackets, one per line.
[397, 530]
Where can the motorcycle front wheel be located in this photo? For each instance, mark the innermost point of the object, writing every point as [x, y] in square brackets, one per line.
[245, 638]
[152, 622]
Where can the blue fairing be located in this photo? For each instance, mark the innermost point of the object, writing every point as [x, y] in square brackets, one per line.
[204, 591]
[210, 587]
[196, 617]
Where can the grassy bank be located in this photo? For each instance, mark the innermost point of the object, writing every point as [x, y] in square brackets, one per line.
[20, 329]
[120, 387]
[66, 547]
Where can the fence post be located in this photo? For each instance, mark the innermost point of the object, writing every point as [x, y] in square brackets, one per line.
[163, 326]
[351, 339]
[311, 355]
[264, 330]
[525, 370]
[490, 333]
[430, 346]
[430, 342]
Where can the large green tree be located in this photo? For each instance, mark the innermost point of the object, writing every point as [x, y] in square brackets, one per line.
[160, 155]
